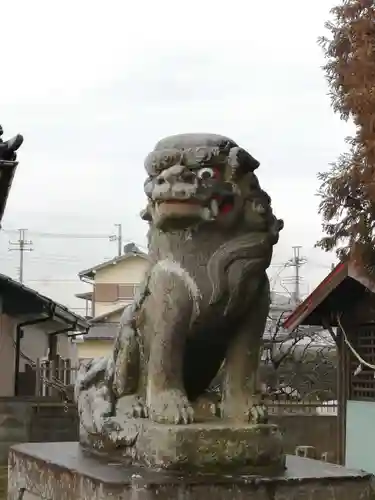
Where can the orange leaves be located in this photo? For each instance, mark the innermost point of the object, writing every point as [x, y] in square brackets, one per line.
[348, 189]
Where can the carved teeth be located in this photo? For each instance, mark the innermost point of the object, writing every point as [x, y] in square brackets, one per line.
[206, 214]
[214, 208]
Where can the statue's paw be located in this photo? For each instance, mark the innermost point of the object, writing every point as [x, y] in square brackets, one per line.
[171, 407]
[132, 406]
[258, 414]
[119, 431]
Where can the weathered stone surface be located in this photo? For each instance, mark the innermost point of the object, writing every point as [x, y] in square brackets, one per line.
[201, 309]
[61, 471]
[203, 446]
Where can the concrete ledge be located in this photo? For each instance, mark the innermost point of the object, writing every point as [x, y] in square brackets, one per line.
[62, 471]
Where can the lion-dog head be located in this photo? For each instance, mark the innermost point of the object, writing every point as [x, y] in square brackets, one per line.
[195, 178]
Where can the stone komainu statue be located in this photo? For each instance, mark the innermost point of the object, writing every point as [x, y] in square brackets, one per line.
[204, 302]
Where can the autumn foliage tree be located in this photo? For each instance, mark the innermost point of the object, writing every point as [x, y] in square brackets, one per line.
[347, 190]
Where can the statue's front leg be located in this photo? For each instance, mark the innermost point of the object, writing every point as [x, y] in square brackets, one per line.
[126, 376]
[171, 310]
[242, 399]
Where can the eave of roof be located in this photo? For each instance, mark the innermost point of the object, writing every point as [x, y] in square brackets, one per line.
[84, 295]
[102, 331]
[90, 273]
[60, 311]
[103, 317]
[342, 272]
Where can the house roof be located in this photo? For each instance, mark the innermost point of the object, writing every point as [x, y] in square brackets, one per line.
[344, 286]
[133, 252]
[104, 316]
[102, 331]
[19, 300]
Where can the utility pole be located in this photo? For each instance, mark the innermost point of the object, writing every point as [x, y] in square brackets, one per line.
[297, 262]
[21, 246]
[117, 237]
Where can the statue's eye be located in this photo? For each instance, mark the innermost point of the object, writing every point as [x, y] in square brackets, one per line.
[206, 173]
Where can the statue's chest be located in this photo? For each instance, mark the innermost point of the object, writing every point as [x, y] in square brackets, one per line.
[207, 313]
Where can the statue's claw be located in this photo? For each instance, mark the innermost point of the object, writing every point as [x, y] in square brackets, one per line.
[171, 407]
[258, 414]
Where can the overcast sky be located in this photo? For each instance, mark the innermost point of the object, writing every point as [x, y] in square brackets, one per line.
[93, 85]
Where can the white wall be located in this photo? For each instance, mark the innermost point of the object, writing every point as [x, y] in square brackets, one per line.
[66, 348]
[34, 344]
[360, 435]
[92, 349]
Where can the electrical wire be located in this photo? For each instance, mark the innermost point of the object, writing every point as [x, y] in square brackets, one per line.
[44, 234]
[277, 275]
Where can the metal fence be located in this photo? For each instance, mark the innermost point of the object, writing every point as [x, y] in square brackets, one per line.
[277, 407]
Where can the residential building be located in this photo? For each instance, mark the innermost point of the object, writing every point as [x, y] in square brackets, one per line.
[114, 284]
[32, 327]
[98, 341]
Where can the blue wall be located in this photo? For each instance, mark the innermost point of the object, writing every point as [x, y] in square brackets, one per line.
[360, 435]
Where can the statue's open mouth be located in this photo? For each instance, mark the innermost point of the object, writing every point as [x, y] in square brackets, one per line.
[179, 202]
[217, 205]
[183, 213]
[183, 205]
[176, 208]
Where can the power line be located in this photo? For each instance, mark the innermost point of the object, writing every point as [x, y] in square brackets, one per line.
[44, 234]
[277, 275]
[22, 245]
[82, 236]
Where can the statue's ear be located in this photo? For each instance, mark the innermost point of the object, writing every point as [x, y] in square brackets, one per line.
[8, 148]
[241, 162]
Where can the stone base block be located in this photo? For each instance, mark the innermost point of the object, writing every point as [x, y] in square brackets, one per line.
[62, 471]
[256, 449]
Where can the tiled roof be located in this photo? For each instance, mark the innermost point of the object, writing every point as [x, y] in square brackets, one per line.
[102, 331]
[10, 285]
[107, 314]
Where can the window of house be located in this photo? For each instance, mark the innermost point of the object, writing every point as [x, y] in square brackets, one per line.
[126, 291]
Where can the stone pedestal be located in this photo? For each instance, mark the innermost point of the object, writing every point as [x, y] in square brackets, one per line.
[63, 471]
[255, 449]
